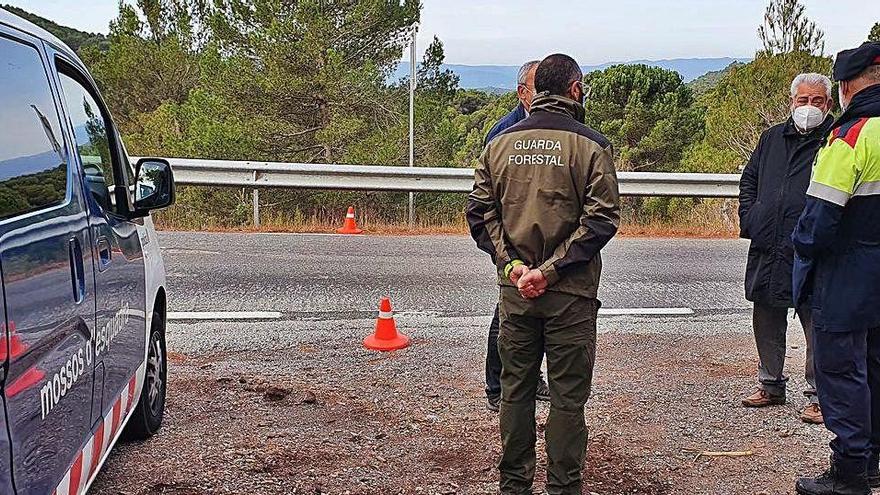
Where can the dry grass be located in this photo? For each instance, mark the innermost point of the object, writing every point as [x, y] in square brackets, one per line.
[716, 218]
[706, 219]
[627, 229]
[663, 229]
[318, 225]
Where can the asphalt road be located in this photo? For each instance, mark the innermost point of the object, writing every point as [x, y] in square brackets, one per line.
[340, 277]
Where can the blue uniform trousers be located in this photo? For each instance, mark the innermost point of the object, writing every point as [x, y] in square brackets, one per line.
[848, 383]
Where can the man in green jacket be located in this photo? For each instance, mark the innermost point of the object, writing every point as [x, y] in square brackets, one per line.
[545, 202]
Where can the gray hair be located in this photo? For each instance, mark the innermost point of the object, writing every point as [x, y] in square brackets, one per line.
[872, 73]
[812, 79]
[524, 71]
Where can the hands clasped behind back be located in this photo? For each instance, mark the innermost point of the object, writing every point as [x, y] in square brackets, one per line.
[530, 282]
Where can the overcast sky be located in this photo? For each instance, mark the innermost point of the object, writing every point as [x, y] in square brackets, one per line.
[510, 31]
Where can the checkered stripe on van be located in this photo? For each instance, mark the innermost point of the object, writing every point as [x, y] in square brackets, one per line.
[90, 458]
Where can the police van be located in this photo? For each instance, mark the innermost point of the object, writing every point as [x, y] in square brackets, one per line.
[82, 336]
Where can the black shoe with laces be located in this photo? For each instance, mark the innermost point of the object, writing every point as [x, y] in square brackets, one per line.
[542, 393]
[834, 482]
[493, 403]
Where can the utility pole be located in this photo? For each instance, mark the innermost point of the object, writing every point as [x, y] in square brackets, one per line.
[412, 97]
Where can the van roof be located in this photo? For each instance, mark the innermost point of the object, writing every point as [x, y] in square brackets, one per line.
[27, 27]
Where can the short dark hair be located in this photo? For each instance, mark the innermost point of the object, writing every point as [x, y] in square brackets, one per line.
[556, 73]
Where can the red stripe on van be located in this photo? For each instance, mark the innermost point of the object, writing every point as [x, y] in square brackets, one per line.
[97, 448]
[76, 473]
[131, 384]
[116, 417]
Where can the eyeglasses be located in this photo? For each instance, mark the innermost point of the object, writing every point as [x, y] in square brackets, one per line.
[533, 91]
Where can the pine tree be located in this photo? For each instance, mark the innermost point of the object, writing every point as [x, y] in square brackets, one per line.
[787, 29]
[311, 74]
[432, 76]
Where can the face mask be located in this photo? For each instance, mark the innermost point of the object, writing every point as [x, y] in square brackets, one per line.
[807, 117]
[533, 94]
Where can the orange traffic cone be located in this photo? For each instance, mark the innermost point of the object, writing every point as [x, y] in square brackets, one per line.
[386, 337]
[16, 346]
[32, 376]
[350, 226]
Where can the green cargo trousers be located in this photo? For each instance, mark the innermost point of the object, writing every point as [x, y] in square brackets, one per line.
[563, 326]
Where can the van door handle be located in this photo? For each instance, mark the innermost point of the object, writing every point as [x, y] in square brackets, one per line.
[77, 272]
[105, 255]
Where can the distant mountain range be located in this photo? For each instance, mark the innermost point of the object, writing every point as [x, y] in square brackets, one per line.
[29, 165]
[503, 77]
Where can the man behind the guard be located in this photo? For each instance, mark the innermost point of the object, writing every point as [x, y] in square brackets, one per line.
[545, 202]
[837, 246]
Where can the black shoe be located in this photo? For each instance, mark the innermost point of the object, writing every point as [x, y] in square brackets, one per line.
[874, 471]
[874, 479]
[833, 482]
[543, 391]
[493, 403]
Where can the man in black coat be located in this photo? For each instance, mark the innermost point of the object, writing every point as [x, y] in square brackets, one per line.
[772, 196]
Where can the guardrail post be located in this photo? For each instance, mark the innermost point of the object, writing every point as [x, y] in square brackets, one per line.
[412, 115]
[256, 195]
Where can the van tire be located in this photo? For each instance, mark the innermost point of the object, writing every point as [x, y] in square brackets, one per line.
[150, 410]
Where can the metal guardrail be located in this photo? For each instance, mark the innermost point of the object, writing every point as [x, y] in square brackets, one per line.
[418, 179]
[259, 175]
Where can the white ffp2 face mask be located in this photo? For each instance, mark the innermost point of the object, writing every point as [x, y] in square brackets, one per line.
[807, 117]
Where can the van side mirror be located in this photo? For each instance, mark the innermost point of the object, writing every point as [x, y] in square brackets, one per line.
[154, 186]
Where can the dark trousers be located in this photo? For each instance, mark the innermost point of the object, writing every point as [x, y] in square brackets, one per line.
[493, 360]
[770, 325]
[563, 326]
[848, 382]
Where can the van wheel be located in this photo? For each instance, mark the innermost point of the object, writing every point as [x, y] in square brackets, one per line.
[147, 416]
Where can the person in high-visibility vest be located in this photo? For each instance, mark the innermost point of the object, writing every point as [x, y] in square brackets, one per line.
[837, 270]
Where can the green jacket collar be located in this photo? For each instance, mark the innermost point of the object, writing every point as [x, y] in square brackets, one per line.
[559, 104]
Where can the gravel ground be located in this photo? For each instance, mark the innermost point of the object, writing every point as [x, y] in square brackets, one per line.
[301, 407]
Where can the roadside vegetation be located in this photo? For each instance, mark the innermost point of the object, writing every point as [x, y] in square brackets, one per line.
[310, 82]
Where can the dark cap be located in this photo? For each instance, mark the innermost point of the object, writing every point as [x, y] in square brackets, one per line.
[850, 63]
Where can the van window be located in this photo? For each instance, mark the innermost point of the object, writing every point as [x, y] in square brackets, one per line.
[33, 171]
[92, 142]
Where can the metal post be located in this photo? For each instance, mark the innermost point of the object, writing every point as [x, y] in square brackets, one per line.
[256, 195]
[412, 96]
